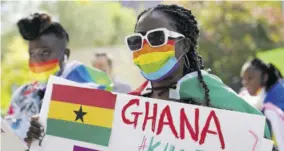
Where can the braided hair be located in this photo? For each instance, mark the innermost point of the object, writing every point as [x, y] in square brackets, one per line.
[186, 24]
[40, 24]
[272, 72]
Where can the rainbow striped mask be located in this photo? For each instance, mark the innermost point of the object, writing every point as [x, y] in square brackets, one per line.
[41, 71]
[155, 63]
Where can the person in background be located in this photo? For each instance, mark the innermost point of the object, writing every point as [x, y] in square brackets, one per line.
[104, 62]
[265, 81]
[48, 54]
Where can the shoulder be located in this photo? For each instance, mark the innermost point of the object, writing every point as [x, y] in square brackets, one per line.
[20, 91]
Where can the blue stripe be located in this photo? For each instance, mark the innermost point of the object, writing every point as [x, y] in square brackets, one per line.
[80, 74]
[161, 72]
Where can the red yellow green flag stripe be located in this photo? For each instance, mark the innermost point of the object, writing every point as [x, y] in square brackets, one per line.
[81, 114]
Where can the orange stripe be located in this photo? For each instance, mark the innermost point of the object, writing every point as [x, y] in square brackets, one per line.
[148, 49]
[54, 61]
[39, 69]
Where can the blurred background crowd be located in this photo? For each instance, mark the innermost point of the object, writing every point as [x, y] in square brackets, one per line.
[231, 33]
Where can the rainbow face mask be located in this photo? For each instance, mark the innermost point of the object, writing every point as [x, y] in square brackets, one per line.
[41, 71]
[156, 63]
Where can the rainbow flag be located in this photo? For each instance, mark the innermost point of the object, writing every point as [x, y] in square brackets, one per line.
[81, 114]
[81, 73]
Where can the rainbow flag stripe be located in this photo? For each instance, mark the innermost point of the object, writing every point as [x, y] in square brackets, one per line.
[44, 66]
[152, 59]
[81, 114]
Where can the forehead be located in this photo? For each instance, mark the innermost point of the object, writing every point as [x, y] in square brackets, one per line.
[252, 71]
[152, 20]
[101, 59]
[48, 41]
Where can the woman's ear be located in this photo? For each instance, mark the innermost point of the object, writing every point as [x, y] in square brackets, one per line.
[265, 79]
[182, 46]
[186, 45]
[67, 52]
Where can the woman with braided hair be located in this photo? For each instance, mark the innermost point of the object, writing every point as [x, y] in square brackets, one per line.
[266, 82]
[48, 54]
[261, 78]
[164, 48]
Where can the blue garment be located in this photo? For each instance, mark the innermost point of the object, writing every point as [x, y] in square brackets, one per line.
[275, 94]
[26, 100]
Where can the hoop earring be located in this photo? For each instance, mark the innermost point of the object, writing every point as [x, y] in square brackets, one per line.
[186, 61]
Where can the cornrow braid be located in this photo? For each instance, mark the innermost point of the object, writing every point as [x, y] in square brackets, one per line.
[186, 24]
[272, 72]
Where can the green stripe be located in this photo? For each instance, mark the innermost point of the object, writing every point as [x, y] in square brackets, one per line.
[77, 131]
[99, 77]
[153, 67]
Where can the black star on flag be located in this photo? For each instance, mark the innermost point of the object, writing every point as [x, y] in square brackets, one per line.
[80, 114]
[2, 131]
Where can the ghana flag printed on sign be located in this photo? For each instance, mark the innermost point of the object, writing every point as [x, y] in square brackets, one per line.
[81, 114]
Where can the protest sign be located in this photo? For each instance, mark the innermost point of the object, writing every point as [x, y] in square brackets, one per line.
[144, 124]
[266, 145]
[9, 140]
[77, 117]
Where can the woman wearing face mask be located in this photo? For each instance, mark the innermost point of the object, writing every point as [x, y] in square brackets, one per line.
[264, 80]
[48, 54]
[164, 48]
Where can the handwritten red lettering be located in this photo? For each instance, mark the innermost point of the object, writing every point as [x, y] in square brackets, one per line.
[136, 114]
[152, 118]
[166, 113]
[159, 121]
[184, 122]
[206, 130]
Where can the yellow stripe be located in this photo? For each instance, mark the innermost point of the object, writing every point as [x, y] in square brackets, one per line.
[44, 75]
[95, 115]
[153, 57]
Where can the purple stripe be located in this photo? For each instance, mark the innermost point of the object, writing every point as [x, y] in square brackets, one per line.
[78, 148]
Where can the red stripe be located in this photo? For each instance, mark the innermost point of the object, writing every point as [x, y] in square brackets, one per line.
[43, 63]
[83, 96]
[171, 42]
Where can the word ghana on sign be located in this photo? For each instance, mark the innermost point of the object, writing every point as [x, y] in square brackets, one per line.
[166, 119]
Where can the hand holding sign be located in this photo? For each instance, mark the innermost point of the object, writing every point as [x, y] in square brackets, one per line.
[35, 131]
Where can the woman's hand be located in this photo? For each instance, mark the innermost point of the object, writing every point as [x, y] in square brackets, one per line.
[35, 131]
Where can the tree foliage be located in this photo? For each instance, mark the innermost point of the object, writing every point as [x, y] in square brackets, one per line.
[93, 23]
[231, 32]
[14, 70]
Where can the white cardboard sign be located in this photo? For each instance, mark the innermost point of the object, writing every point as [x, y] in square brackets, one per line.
[9, 140]
[144, 124]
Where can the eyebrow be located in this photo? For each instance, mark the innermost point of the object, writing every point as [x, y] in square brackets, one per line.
[142, 32]
[41, 47]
